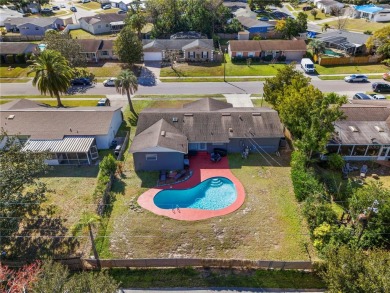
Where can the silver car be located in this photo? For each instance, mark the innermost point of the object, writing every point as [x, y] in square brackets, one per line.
[356, 78]
[110, 81]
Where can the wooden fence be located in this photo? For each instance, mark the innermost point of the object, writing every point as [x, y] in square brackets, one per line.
[105, 199]
[124, 146]
[349, 60]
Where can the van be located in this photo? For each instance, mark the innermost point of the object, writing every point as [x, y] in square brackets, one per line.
[307, 65]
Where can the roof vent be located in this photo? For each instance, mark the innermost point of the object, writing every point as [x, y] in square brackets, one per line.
[11, 117]
[226, 114]
[353, 128]
[240, 117]
[378, 128]
[163, 133]
[230, 129]
[174, 119]
[256, 114]
[188, 114]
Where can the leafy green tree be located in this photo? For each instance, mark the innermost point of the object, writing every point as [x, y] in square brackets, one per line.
[128, 47]
[127, 83]
[21, 192]
[100, 282]
[263, 3]
[53, 277]
[289, 27]
[325, 27]
[317, 46]
[68, 47]
[314, 12]
[353, 270]
[136, 20]
[52, 74]
[301, 22]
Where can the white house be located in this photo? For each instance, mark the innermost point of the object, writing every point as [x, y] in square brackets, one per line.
[371, 12]
[72, 136]
[326, 5]
[121, 4]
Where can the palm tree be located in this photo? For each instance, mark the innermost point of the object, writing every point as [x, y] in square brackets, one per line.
[317, 46]
[127, 82]
[325, 27]
[87, 222]
[52, 74]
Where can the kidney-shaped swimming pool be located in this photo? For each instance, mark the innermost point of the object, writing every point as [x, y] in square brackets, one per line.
[212, 194]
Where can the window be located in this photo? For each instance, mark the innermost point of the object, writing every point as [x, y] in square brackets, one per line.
[251, 54]
[205, 54]
[151, 157]
[37, 28]
[107, 25]
[346, 150]
[99, 26]
[221, 143]
[104, 53]
[373, 150]
[332, 149]
[239, 54]
[360, 150]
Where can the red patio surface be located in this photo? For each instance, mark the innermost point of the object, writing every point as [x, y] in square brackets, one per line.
[203, 168]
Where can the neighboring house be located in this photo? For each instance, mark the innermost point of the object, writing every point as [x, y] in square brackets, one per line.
[380, 13]
[254, 26]
[103, 23]
[165, 136]
[6, 13]
[121, 4]
[28, 26]
[351, 43]
[242, 12]
[326, 5]
[364, 134]
[291, 49]
[184, 49]
[70, 135]
[13, 48]
[96, 50]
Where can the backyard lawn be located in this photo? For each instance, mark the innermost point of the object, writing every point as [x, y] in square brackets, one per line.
[360, 25]
[82, 34]
[16, 71]
[342, 69]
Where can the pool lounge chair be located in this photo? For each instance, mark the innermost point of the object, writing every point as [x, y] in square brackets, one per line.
[163, 176]
[180, 174]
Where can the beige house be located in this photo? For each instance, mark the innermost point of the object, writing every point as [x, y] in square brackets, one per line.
[97, 50]
[103, 23]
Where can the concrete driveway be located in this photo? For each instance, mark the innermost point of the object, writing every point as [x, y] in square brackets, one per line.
[150, 73]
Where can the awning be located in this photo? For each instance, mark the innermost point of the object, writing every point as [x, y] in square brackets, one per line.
[117, 23]
[65, 145]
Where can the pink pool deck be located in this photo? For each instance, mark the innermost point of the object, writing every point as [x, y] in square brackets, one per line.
[203, 168]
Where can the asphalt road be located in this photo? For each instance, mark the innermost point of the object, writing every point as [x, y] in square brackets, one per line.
[177, 88]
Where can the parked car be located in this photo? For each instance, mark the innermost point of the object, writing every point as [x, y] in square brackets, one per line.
[104, 102]
[117, 149]
[307, 8]
[46, 10]
[81, 81]
[356, 78]
[110, 81]
[106, 6]
[361, 96]
[62, 6]
[55, 7]
[378, 97]
[85, 1]
[386, 76]
[121, 12]
[73, 9]
[264, 18]
[381, 87]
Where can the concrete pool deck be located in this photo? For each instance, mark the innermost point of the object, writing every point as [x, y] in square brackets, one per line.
[203, 168]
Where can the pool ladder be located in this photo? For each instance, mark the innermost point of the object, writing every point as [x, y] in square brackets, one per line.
[176, 208]
[216, 182]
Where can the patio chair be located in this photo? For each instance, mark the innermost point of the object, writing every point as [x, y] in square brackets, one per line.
[163, 176]
[363, 171]
[215, 157]
[180, 174]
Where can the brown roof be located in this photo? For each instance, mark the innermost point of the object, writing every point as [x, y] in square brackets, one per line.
[42, 122]
[90, 45]
[267, 45]
[216, 124]
[104, 17]
[107, 45]
[16, 47]
[161, 135]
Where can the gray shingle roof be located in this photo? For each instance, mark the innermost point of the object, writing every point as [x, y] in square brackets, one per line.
[354, 38]
[267, 45]
[162, 135]
[16, 48]
[90, 45]
[104, 17]
[43, 122]
[40, 21]
[176, 44]
[215, 125]
[248, 22]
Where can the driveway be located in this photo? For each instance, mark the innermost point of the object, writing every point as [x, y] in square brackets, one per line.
[150, 73]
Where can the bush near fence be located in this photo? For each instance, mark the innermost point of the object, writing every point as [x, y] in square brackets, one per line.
[349, 60]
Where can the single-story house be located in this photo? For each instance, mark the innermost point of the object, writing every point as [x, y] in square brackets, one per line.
[364, 134]
[13, 48]
[245, 12]
[121, 4]
[70, 135]
[96, 50]
[291, 49]
[380, 13]
[27, 26]
[165, 136]
[326, 5]
[186, 49]
[6, 13]
[103, 23]
[255, 26]
[351, 43]
[106, 50]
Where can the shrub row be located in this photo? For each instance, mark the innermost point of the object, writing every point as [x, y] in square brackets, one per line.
[12, 59]
[267, 58]
[107, 168]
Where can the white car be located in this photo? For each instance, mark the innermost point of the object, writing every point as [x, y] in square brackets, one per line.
[110, 81]
[356, 78]
[107, 6]
[378, 97]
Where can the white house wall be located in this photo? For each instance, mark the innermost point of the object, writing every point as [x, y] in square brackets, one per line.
[104, 141]
[381, 17]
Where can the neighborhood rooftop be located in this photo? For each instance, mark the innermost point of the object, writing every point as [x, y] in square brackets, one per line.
[267, 45]
[16, 48]
[41, 21]
[105, 17]
[177, 44]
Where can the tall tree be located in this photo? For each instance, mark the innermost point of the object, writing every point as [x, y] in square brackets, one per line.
[301, 22]
[263, 3]
[128, 47]
[52, 74]
[136, 20]
[317, 46]
[381, 41]
[68, 47]
[127, 83]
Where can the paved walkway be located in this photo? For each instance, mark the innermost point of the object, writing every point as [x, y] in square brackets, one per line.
[239, 100]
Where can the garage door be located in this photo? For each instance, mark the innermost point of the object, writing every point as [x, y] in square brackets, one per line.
[294, 56]
[152, 56]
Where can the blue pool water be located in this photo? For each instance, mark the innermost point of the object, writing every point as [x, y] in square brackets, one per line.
[212, 194]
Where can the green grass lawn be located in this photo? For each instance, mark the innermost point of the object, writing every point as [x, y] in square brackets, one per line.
[105, 71]
[80, 103]
[289, 7]
[215, 79]
[192, 97]
[89, 5]
[360, 25]
[203, 278]
[349, 69]
[111, 10]
[267, 226]
[97, 97]
[14, 80]
[260, 103]
[217, 69]
[82, 34]
[18, 70]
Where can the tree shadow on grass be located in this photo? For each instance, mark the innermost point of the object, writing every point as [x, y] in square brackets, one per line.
[256, 160]
[148, 179]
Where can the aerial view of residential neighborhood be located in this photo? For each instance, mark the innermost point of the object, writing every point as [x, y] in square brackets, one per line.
[195, 146]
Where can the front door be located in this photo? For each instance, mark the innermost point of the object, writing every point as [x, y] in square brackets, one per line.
[384, 153]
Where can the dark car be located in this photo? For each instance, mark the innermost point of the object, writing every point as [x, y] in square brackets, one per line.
[117, 149]
[81, 81]
[361, 96]
[121, 12]
[381, 87]
[104, 102]
[55, 7]
[46, 10]
[307, 8]
[73, 9]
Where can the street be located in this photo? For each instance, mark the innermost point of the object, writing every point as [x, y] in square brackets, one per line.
[188, 88]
